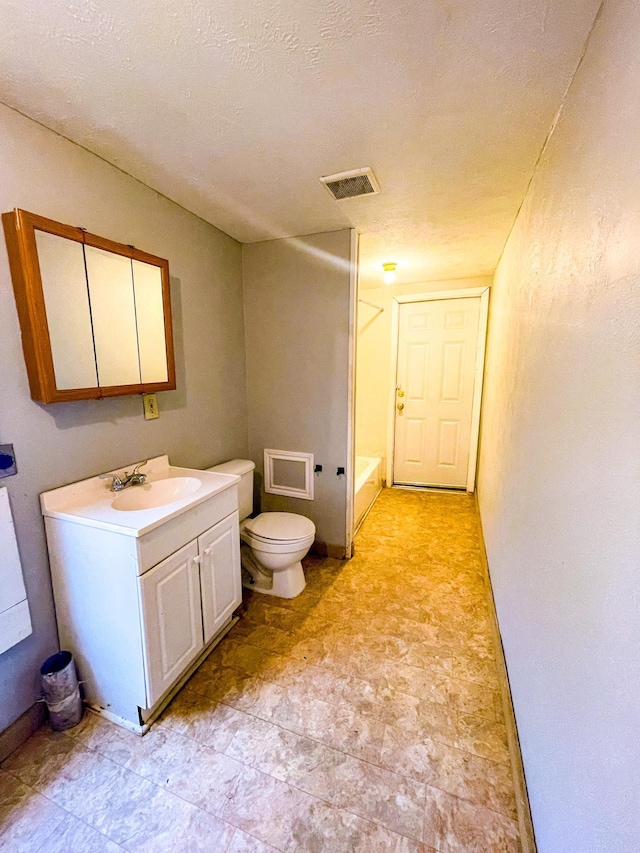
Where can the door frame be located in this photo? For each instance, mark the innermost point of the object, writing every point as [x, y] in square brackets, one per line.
[459, 293]
[354, 272]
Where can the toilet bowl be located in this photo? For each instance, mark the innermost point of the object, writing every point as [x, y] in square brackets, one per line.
[277, 542]
[273, 543]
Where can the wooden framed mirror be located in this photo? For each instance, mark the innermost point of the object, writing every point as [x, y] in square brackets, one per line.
[95, 315]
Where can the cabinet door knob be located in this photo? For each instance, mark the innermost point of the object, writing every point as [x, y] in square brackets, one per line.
[197, 560]
[208, 550]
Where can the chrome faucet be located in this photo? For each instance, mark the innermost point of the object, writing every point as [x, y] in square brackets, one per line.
[135, 478]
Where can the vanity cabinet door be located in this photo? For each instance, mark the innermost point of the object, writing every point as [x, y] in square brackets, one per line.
[220, 573]
[172, 619]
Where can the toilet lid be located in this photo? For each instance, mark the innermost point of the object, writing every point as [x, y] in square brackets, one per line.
[282, 526]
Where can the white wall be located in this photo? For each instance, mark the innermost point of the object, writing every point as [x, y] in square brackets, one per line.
[297, 333]
[559, 480]
[374, 358]
[202, 422]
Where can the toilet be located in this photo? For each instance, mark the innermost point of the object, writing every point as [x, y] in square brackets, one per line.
[273, 543]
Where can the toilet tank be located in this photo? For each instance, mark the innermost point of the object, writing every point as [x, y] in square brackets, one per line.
[242, 468]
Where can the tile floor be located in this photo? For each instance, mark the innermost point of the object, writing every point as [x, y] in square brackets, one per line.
[363, 716]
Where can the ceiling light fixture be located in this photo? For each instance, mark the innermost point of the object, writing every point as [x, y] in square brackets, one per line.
[389, 275]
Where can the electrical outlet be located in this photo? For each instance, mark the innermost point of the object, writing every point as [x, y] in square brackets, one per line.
[151, 410]
[8, 465]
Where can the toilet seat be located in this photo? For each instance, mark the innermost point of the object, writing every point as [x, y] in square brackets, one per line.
[259, 542]
[274, 527]
[299, 546]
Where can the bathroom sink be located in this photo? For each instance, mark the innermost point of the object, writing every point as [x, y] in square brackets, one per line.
[169, 492]
[156, 493]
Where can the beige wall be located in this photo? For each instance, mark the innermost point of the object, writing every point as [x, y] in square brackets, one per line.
[202, 422]
[559, 479]
[297, 332]
[374, 357]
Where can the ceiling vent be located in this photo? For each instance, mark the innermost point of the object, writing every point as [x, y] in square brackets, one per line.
[352, 184]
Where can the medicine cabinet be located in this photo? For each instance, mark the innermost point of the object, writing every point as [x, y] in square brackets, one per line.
[95, 315]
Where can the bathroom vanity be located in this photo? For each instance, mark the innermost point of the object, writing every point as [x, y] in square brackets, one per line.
[145, 582]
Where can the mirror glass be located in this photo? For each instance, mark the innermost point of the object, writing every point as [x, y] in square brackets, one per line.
[64, 285]
[147, 282]
[114, 317]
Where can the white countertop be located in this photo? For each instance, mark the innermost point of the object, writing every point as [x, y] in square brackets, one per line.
[90, 501]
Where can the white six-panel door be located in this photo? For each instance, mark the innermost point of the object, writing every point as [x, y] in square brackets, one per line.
[172, 619]
[437, 344]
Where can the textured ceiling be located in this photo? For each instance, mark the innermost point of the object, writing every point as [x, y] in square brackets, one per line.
[235, 109]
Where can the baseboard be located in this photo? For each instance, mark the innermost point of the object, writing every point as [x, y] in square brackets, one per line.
[527, 835]
[21, 729]
[336, 552]
[323, 549]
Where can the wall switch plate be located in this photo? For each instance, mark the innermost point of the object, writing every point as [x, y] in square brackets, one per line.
[8, 465]
[151, 410]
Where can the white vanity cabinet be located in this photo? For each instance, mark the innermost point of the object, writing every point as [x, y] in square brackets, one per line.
[141, 606]
[186, 600]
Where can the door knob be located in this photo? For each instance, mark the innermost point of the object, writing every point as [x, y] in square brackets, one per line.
[400, 393]
[400, 407]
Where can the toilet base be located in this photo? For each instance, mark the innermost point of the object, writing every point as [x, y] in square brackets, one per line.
[287, 583]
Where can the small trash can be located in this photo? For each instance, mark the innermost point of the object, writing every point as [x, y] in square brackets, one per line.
[61, 691]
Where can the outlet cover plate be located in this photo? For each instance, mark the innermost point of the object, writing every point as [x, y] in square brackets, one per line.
[151, 410]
